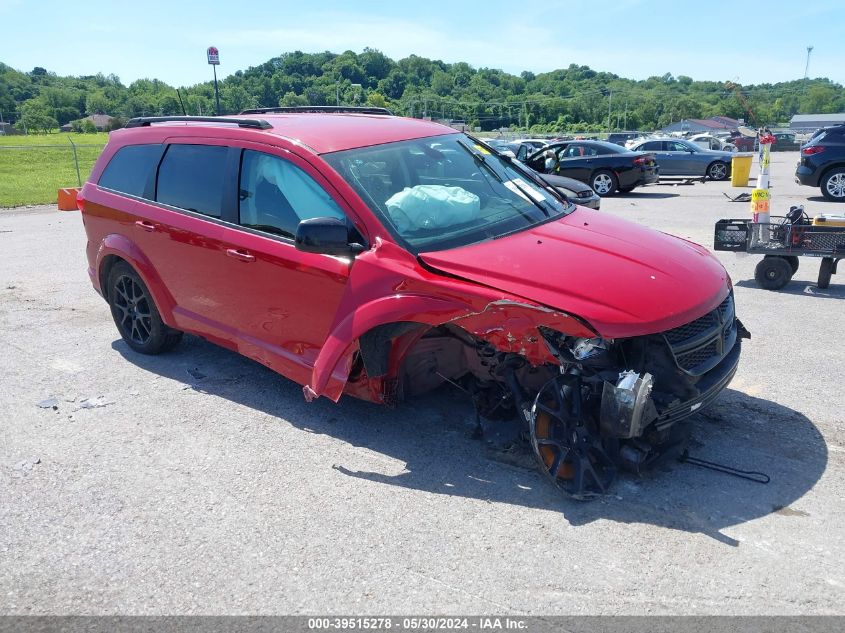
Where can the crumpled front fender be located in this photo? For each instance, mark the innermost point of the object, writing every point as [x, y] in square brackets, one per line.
[508, 325]
[331, 369]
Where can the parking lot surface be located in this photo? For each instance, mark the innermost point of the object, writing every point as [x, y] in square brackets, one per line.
[201, 482]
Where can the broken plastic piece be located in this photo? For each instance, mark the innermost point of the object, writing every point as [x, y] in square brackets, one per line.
[626, 408]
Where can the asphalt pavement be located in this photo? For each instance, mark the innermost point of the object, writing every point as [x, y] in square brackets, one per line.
[199, 482]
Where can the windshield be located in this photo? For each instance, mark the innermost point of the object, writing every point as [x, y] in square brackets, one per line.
[446, 191]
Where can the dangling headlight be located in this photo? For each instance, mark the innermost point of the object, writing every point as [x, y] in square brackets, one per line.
[585, 348]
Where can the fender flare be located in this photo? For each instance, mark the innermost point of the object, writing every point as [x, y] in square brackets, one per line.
[331, 369]
[121, 246]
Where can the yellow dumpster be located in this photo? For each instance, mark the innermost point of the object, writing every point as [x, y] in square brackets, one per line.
[740, 169]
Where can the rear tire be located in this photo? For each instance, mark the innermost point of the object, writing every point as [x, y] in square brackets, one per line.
[717, 171]
[773, 273]
[825, 271]
[833, 185]
[604, 183]
[135, 313]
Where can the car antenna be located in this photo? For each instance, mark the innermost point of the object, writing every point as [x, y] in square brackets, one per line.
[180, 102]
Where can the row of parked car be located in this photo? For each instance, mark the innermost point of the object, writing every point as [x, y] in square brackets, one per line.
[609, 168]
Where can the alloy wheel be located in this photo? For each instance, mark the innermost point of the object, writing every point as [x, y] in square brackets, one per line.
[718, 171]
[835, 185]
[133, 306]
[602, 184]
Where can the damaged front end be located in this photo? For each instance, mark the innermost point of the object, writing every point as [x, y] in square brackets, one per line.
[591, 406]
[615, 402]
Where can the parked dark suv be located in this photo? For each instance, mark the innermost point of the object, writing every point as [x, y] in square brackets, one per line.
[380, 257]
[822, 163]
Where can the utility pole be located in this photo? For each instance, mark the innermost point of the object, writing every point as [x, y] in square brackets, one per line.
[807, 67]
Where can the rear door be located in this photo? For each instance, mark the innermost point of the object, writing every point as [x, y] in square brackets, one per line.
[179, 230]
[663, 158]
[686, 159]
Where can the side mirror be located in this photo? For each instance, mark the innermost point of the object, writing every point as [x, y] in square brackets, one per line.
[326, 236]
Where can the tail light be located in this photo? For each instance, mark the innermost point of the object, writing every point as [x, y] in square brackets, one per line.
[80, 201]
[813, 149]
[641, 161]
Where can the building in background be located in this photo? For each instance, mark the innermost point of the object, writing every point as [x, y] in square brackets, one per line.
[812, 122]
[100, 121]
[713, 124]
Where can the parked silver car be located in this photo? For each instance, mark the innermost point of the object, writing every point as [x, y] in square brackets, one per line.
[679, 157]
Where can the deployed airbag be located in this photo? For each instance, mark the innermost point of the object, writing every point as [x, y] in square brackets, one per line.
[432, 206]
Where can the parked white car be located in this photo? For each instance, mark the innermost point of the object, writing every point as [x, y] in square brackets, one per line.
[708, 141]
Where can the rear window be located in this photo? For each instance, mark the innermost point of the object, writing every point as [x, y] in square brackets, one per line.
[130, 169]
[192, 177]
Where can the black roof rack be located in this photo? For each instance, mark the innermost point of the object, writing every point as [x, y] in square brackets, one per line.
[319, 110]
[259, 124]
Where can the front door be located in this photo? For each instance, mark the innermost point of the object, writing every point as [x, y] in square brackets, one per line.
[279, 301]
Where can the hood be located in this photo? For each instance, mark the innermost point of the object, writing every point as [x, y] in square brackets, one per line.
[622, 278]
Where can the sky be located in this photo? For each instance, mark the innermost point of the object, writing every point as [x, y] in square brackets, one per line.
[635, 39]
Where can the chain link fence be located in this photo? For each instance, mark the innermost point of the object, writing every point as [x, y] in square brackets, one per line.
[32, 172]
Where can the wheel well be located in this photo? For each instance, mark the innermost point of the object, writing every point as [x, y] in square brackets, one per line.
[833, 167]
[105, 268]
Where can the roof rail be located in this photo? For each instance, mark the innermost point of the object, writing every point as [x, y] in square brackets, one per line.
[146, 121]
[319, 110]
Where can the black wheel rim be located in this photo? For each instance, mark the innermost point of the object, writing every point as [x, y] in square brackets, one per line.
[132, 310]
[568, 452]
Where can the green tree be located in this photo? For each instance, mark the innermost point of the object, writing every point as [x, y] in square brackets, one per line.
[292, 99]
[35, 116]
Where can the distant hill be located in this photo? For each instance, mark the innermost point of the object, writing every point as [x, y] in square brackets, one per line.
[572, 98]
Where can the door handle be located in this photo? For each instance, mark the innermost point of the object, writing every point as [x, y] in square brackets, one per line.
[238, 254]
[147, 226]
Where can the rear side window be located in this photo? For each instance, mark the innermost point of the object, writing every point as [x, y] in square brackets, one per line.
[130, 169]
[192, 177]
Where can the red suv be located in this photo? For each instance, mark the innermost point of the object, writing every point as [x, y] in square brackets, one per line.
[377, 256]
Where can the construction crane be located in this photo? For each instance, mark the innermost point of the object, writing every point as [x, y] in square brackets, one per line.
[730, 85]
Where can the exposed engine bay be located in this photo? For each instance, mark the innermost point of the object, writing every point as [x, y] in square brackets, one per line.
[607, 405]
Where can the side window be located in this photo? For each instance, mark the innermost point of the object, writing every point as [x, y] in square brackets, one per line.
[129, 170]
[652, 146]
[275, 195]
[192, 177]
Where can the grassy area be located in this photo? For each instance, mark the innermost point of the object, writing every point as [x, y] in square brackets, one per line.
[59, 138]
[31, 173]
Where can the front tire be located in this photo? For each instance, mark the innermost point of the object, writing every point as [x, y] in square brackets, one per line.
[717, 171]
[833, 185]
[773, 273]
[604, 183]
[135, 313]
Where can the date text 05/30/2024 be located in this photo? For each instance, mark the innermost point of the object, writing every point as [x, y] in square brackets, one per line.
[416, 624]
